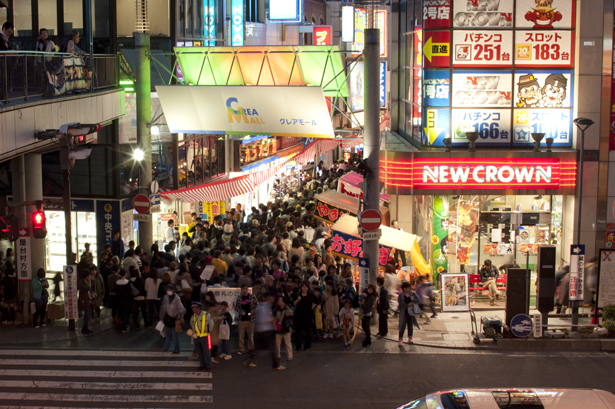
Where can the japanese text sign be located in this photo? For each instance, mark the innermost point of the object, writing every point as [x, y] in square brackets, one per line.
[577, 271]
[71, 292]
[321, 35]
[482, 48]
[329, 213]
[554, 123]
[437, 49]
[493, 125]
[351, 247]
[436, 126]
[481, 89]
[23, 258]
[483, 13]
[436, 88]
[436, 14]
[544, 48]
[237, 16]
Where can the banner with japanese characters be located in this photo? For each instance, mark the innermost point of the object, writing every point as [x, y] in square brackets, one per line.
[554, 123]
[482, 48]
[437, 49]
[329, 213]
[347, 246]
[483, 14]
[436, 14]
[481, 89]
[545, 14]
[436, 126]
[544, 48]
[549, 89]
[493, 125]
[436, 88]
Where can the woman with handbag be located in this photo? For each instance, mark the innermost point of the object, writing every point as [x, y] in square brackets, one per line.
[367, 307]
[409, 309]
[41, 297]
[224, 332]
[172, 313]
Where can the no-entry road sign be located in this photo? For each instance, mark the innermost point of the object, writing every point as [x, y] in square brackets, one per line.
[141, 204]
[371, 220]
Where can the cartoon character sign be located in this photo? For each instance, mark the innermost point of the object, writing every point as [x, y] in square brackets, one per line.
[554, 91]
[529, 92]
[543, 15]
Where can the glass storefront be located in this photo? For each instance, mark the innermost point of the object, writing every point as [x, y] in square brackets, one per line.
[461, 232]
[201, 158]
[83, 231]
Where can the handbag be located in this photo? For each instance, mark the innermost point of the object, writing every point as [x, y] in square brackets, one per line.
[178, 327]
[278, 323]
[168, 320]
[335, 322]
[414, 310]
[224, 332]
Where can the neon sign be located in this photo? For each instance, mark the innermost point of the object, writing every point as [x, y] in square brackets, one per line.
[237, 23]
[480, 173]
[321, 35]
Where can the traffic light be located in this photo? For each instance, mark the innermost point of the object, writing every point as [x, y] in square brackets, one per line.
[38, 224]
[9, 227]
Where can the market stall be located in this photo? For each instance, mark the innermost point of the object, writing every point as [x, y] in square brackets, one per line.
[349, 185]
[331, 205]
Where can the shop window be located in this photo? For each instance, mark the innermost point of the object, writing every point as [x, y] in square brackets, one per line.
[83, 228]
[183, 180]
[48, 17]
[23, 18]
[73, 16]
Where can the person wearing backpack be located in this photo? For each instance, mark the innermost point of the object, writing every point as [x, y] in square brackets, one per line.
[408, 310]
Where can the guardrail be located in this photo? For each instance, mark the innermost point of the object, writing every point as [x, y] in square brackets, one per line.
[28, 74]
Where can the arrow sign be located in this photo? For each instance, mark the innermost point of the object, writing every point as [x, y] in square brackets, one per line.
[364, 262]
[578, 250]
[577, 272]
[24, 233]
[436, 49]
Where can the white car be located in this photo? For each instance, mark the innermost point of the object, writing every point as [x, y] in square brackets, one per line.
[515, 398]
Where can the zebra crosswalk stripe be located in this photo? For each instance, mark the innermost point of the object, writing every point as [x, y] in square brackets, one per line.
[49, 379]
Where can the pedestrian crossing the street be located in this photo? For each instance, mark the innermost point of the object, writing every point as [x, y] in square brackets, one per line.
[47, 379]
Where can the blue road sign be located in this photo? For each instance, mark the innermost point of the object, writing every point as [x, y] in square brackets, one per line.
[521, 325]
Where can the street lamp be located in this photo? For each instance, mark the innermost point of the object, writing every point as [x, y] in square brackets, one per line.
[582, 124]
[138, 155]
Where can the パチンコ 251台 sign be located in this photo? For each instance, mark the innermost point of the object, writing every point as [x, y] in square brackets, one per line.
[482, 48]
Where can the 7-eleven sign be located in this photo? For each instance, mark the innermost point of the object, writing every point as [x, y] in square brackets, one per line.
[321, 35]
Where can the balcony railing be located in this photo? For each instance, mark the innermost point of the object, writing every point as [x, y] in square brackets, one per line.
[25, 75]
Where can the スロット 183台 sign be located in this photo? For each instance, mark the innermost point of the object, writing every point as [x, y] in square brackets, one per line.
[483, 14]
[484, 89]
[493, 125]
[482, 48]
[544, 48]
[555, 123]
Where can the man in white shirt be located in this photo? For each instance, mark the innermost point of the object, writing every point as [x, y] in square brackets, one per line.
[187, 247]
[309, 233]
[169, 233]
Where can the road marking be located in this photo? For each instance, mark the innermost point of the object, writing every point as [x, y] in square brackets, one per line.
[107, 385]
[102, 374]
[61, 362]
[79, 353]
[69, 397]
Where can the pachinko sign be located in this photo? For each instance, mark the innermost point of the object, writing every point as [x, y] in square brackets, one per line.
[347, 246]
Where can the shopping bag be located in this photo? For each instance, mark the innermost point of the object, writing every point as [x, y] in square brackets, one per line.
[160, 328]
[32, 308]
[225, 332]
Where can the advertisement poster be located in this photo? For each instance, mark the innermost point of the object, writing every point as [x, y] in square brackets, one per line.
[356, 87]
[482, 48]
[549, 89]
[577, 272]
[439, 236]
[481, 89]
[555, 123]
[467, 223]
[230, 296]
[606, 280]
[545, 14]
[483, 14]
[107, 221]
[610, 235]
[456, 297]
[347, 246]
[436, 88]
[437, 49]
[493, 125]
[544, 48]
[436, 14]
[437, 125]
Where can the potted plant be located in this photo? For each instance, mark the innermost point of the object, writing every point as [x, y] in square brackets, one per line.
[608, 318]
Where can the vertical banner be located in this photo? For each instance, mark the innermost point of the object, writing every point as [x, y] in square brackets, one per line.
[610, 235]
[467, 223]
[577, 271]
[363, 273]
[107, 221]
[237, 16]
[210, 21]
[606, 278]
[383, 84]
[23, 260]
[439, 236]
[71, 310]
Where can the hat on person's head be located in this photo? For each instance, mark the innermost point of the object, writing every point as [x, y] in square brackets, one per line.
[224, 304]
[288, 224]
[197, 304]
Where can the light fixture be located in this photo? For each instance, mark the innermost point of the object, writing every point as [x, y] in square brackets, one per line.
[549, 142]
[448, 142]
[472, 137]
[537, 137]
[155, 130]
[138, 155]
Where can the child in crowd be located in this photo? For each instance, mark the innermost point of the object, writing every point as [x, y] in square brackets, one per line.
[347, 319]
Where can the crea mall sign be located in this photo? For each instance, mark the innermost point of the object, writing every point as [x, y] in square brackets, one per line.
[483, 173]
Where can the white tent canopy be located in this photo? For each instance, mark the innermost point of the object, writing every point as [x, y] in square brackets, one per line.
[393, 238]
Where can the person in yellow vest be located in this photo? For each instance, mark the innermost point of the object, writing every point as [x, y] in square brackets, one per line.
[202, 324]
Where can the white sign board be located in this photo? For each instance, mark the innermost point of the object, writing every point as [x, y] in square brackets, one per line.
[372, 235]
[606, 287]
[23, 259]
[71, 292]
[482, 48]
[237, 110]
[142, 217]
[363, 273]
[207, 273]
[544, 48]
[230, 296]
[481, 89]
[577, 271]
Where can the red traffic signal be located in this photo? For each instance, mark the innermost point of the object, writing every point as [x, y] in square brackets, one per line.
[38, 224]
[9, 227]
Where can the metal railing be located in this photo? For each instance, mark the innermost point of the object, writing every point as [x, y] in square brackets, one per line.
[26, 74]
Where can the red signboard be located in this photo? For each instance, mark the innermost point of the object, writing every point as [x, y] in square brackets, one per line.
[321, 35]
[141, 204]
[483, 173]
[371, 220]
[436, 49]
[436, 14]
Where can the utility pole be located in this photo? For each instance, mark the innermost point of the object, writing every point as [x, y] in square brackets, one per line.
[144, 119]
[371, 138]
[66, 204]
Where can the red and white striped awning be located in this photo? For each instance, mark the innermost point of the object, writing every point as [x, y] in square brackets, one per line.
[226, 189]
